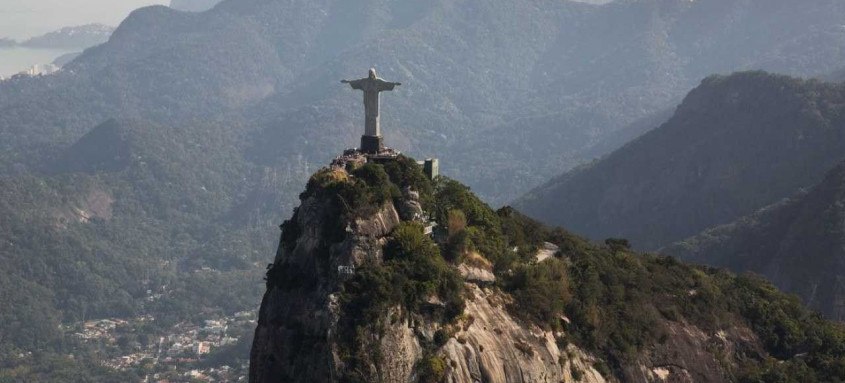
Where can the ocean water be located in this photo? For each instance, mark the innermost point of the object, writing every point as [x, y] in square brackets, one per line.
[17, 59]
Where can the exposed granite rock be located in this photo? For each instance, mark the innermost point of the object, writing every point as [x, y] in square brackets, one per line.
[476, 274]
[687, 355]
[378, 225]
[403, 348]
[494, 347]
[547, 251]
[410, 209]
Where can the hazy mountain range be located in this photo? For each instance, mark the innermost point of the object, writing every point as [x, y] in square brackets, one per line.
[735, 145]
[576, 75]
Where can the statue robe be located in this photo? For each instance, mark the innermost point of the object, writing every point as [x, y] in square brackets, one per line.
[371, 88]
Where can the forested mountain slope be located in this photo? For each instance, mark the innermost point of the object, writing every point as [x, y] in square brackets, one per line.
[798, 244]
[736, 144]
[134, 221]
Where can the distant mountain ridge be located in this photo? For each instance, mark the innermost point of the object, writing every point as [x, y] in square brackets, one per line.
[798, 244]
[79, 37]
[193, 5]
[736, 144]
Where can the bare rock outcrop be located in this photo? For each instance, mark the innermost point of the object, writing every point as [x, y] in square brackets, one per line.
[492, 346]
[298, 316]
[411, 209]
[686, 355]
[476, 274]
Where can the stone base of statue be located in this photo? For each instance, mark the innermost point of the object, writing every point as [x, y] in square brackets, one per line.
[372, 144]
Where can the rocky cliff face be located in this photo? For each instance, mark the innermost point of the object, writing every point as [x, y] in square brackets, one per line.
[493, 346]
[307, 317]
[339, 306]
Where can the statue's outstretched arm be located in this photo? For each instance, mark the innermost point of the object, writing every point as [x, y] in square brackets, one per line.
[355, 84]
[386, 85]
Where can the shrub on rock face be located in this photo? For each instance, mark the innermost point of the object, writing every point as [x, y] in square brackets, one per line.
[372, 174]
[483, 228]
[452, 195]
[416, 256]
[432, 370]
[541, 291]
[441, 336]
[405, 172]
[375, 188]
[323, 180]
[409, 243]
[457, 222]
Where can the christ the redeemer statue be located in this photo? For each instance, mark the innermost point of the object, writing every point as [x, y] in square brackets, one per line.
[371, 141]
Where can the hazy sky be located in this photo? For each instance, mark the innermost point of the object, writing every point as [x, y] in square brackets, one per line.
[21, 19]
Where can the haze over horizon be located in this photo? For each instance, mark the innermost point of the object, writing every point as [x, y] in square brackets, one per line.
[21, 20]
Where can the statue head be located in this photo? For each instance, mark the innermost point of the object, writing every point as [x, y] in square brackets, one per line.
[372, 73]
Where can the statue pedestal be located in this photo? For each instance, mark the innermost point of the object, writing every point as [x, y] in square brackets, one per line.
[372, 144]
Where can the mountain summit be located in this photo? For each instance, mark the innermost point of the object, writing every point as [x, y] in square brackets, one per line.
[383, 275]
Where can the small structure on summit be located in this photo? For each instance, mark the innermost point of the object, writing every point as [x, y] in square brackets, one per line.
[431, 167]
[371, 141]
